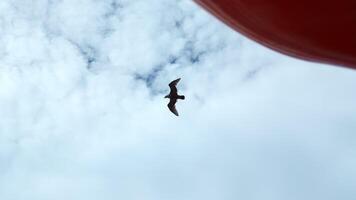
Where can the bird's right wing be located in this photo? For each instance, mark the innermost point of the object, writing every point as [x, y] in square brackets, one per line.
[173, 87]
[172, 106]
[174, 83]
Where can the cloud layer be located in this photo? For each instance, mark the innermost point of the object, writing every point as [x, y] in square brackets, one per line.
[83, 115]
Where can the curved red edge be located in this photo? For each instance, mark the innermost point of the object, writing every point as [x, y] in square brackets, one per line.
[319, 31]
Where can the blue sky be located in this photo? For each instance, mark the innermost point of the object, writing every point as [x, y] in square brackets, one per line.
[83, 115]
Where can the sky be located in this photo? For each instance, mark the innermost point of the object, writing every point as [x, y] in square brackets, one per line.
[82, 113]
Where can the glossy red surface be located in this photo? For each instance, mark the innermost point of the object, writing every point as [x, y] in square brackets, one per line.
[316, 30]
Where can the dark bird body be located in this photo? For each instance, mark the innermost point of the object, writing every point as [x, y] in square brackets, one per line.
[173, 96]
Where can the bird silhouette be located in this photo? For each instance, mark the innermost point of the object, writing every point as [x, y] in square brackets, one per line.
[173, 97]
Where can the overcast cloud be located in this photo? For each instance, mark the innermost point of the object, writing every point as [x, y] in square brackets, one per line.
[82, 113]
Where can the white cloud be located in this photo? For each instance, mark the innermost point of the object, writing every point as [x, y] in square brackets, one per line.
[83, 114]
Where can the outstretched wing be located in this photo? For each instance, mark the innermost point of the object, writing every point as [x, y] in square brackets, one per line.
[173, 84]
[172, 106]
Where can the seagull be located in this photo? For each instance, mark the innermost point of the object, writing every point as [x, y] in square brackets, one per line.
[173, 96]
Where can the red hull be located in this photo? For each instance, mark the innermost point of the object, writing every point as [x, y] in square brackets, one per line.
[317, 30]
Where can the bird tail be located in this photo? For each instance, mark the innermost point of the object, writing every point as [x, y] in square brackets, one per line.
[181, 97]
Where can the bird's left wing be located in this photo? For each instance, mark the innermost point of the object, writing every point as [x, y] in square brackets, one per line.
[172, 106]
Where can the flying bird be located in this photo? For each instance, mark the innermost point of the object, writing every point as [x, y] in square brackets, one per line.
[173, 97]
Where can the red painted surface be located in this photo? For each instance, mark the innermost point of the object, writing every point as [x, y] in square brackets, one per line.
[316, 30]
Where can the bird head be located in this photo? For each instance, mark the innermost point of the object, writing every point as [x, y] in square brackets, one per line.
[167, 96]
